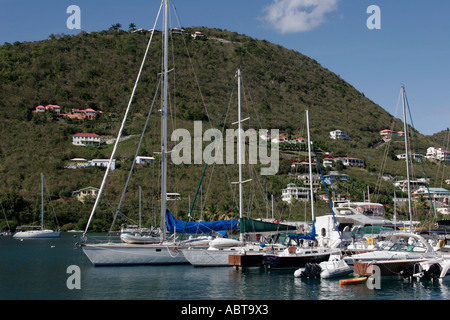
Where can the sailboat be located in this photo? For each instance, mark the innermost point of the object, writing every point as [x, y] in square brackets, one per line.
[219, 249]
[402, 249]
[299, 256]
[165, 252]
[40, 232]
[136, 233]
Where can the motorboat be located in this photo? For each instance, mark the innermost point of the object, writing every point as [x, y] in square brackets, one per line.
[397, 253]
[333, 268]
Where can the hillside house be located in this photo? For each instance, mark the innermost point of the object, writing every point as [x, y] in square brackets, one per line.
[51, 107]
[438, 154]
[339, 135]
[178, 31]
[280, 139]
[80, 114]
[300, 140]
[350, 162]
[413, 184]
[82, 194]
[294, 192]
[413, 156]
[198, 35]
[387, 134]
[102, 163]
[436, 194]
[86, 139]
[145, 160]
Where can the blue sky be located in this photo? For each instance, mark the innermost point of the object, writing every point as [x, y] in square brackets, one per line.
[411, 48]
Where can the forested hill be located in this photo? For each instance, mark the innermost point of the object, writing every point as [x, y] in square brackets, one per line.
[98, 70]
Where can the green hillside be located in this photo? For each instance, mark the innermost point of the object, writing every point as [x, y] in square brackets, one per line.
[98, 70]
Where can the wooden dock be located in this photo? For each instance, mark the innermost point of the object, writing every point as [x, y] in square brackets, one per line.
[240, 261]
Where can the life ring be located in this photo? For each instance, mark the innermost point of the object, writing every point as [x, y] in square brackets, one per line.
[441, 243]
[370, 241]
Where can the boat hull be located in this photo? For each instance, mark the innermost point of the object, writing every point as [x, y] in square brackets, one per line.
[273, 261]
[386, 267]
[37, 234]
[123, 254]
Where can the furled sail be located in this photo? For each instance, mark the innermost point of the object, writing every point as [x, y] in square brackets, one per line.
[257, 226]
[175, 225]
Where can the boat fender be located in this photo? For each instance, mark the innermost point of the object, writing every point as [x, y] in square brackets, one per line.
[370, 241]
[441, 243]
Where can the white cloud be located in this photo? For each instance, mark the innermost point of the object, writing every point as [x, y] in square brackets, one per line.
[288, 16]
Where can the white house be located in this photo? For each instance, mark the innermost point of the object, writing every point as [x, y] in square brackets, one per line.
[102, 163]
[294, 192]
[436, 194]
[86, 139]
[280, 139]
[339, 135]
[439, 154]
[85, 192]
[144, 160]
[414, 156]
[350, 162]
[413, 184]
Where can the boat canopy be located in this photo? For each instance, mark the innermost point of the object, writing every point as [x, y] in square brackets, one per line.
[311, 236]
[257, 226]
[206, 227]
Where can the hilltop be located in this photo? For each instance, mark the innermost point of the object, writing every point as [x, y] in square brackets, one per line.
[98, 70]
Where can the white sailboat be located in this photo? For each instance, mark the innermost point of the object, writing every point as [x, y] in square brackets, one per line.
[164, 252]
[298, 256]
[401, 250]
[219, 249]
[40, 232]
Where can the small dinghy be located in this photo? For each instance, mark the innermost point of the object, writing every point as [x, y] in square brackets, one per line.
[360, 280]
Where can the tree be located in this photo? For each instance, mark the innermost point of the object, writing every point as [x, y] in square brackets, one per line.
[131, 27]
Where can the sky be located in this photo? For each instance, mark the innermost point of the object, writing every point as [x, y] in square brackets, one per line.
[376, 50]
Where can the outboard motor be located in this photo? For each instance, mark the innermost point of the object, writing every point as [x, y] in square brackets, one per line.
[433, 272]
[312, 270]
[411, 270]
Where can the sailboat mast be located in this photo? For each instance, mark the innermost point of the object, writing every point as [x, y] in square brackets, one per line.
[42, 201]
[310, 168]
[240, 158]
[164, 121]
[407, 156]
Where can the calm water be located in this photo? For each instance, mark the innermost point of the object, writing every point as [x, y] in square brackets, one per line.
[36, 269]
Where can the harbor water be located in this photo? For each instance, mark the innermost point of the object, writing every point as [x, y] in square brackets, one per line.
[42, 269]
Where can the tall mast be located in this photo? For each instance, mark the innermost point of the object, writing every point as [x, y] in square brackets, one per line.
[310, 168]
[240, 158]
[164, 121]
[407, 157]
[42, 201]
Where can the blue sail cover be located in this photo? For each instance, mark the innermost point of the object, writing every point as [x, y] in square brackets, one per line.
[199, 227]
[311, 236]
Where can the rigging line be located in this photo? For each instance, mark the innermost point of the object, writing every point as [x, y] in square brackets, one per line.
[421, 158]
[49, 200]
[192, 66]
[206, 164]
[386, 150]
[135, 156]
[108, 168]
[326, 190]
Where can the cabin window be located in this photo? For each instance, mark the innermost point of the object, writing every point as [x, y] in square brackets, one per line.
[158, 250]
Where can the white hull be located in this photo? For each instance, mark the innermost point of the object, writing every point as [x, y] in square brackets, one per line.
[37, 234]
[139, 239]
[214, 257]
[123, 254]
